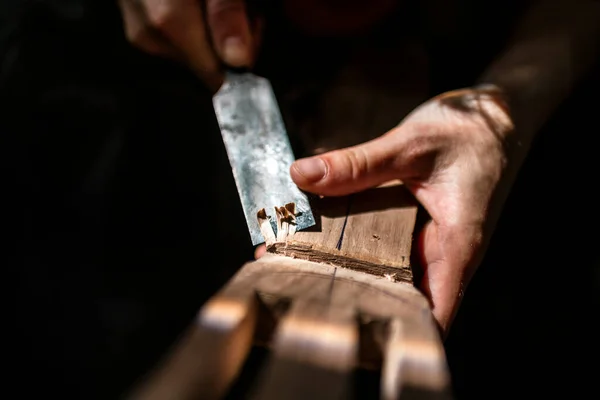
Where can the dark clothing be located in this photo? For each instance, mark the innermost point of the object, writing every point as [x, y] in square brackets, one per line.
[121, 213]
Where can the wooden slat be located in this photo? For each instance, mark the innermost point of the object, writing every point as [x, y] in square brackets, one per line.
[207, 359]
[379, 229]
[353, 307]
[314, 354]
[414, 364]
[408, 348]
[369, 232]
[330, 213]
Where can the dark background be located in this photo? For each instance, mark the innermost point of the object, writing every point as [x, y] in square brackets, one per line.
[529, 321]
[104, 190]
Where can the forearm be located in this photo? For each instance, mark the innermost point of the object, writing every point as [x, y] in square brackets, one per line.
[554, 46]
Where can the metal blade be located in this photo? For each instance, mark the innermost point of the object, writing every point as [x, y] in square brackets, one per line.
[259, 150]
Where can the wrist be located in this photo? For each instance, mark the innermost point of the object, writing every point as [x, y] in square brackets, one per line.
[516, 140]
[490, 107]
[488, 103]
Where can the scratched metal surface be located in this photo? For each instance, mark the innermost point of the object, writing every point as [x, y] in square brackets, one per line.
[259, 150]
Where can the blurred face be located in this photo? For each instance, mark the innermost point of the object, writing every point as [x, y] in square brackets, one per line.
[337, 17]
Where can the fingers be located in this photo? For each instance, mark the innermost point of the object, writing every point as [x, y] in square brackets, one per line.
[448, 257]
[349, 170]
[176, 28]
[260, 251]
[445, 294]
[139, 33]
[230, 29]
[182, 23]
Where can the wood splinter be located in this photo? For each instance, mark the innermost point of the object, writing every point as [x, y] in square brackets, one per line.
[286, 224]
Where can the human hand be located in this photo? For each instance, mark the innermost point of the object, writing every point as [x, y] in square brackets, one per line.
[202, 34]
[450, 154]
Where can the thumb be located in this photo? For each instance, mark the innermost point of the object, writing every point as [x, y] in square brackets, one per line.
[349, 170]
[230, 30]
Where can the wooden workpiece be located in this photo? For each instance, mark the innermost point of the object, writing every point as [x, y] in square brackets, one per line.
[325, 303]
[369, 232]
[310, 316]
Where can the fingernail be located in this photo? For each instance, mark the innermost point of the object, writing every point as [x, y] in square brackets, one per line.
[235, 52]
[312, 169]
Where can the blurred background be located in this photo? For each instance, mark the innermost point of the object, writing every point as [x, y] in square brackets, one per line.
[529, 323]
[108, 196]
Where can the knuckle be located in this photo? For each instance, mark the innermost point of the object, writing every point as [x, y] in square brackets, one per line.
[421, 154]
[162, 16]
[134, 34]
[357, 162]
[417, 150]
[218, 8]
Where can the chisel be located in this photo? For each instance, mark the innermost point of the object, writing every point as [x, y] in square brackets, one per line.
[259, 150]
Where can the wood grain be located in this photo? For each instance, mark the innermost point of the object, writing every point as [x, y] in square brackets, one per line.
[325, 302]
[380, 226]
[369, 232]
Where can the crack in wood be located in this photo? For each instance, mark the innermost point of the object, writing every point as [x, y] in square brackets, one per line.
[400, 272]
[348, 208]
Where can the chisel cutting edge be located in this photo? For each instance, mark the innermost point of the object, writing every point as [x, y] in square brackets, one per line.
[259, 150]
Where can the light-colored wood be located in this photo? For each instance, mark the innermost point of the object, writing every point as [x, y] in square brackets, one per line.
[320, 321]
[384, 236]
[369, 232]
[338, 320]
[303, 368]
[414, 365]
[330, 215]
